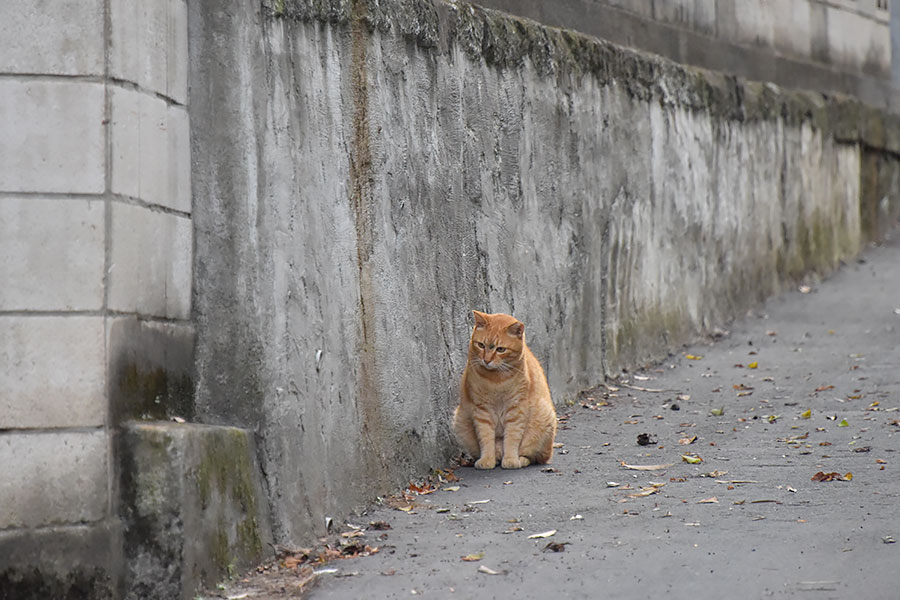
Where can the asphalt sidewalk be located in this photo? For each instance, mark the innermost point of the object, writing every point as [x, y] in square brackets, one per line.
[808, 384]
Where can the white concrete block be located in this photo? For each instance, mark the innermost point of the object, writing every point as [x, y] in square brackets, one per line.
[64, 37]
[857, 41]
[53, 478]
[150, 150]
[178, 191]
[52, 372]
[792, 31]
[53, 137]
[149, 45]
[151, 267]
[51, 254]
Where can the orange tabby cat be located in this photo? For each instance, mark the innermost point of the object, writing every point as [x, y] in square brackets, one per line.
[505, 411]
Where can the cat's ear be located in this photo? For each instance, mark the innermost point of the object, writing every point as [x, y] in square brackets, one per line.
[480, 319]
[517, 329]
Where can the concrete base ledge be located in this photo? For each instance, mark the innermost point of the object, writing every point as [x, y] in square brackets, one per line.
[66, 562]
[192, 507]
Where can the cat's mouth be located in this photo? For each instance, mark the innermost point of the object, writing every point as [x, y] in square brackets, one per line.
[490, 366]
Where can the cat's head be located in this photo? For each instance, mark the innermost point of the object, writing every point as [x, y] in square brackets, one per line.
[497, 341]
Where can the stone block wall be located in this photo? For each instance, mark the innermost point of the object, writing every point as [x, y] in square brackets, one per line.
[95, 233]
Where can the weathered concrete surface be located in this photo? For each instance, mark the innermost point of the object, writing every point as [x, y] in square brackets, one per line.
[192, 507]
[772, 532]
[842, 47]
[66, 562]
[366, 173]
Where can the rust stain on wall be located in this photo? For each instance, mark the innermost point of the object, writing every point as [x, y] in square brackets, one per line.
[361, 200]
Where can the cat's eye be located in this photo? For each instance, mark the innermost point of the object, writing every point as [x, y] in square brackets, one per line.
[480, 345]
[501, 349]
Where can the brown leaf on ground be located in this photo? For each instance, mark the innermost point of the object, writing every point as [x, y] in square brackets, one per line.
[715, 473]
[556, 547]
[687, 440]
[824, 388]
[473, 557]
[833, 476]
[712, 500]
[425, 488]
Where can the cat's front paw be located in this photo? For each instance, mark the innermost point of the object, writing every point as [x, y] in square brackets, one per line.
[514, 462]
[486, 462]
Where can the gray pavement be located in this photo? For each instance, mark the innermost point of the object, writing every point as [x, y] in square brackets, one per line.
[765, 529]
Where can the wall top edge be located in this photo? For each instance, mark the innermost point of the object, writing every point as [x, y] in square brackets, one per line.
[506, 41]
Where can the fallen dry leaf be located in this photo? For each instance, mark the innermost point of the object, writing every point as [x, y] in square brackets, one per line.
[753, 365]
[451, 488]
[488, 571]
[687, 440]
[352, 534]
[473, 557]
[544, 534]
[833, 476]
[646, 491]
[691, 459]
[806, 414]
[555, 547]
[823, 388]
[693, 357]
[712, 500]
[645, 467]
[715, 473]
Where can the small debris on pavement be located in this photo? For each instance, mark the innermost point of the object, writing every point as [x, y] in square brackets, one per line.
[488, 571]
[644, 439]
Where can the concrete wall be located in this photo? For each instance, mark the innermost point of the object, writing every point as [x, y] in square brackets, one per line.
[831, 45]
[366, 173]
[95, 251]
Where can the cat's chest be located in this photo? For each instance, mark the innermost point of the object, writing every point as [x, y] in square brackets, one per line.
[497, 396]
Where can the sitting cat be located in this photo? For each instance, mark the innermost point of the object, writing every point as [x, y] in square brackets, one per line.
[505, 412]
